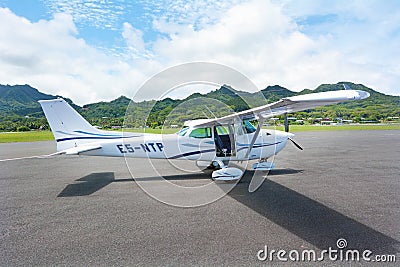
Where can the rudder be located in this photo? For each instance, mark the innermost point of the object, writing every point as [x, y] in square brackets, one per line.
[66, 124]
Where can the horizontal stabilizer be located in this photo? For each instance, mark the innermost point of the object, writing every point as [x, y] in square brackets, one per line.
[79, 149]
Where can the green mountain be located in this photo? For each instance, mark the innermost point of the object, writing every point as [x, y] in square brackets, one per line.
[19, 107]
[21, 100]
[276, 92]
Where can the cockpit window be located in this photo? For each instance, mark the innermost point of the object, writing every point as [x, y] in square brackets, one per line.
[201, 133]
[222, 130]
[248, 127]
[183, 131]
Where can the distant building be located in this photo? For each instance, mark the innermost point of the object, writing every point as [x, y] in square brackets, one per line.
[393, 118]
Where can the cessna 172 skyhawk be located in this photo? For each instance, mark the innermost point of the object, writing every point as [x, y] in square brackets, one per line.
[209, 142]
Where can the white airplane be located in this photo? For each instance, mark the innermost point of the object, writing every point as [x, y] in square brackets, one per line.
[209, 142]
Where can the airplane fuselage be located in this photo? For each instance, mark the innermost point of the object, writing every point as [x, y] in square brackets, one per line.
[173, 146]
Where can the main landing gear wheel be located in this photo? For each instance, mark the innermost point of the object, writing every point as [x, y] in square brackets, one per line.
[226, 174]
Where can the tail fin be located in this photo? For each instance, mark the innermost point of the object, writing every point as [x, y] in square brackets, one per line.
[69, 128]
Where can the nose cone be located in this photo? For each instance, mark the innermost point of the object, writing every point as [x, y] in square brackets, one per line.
[289, 135]
[281, 140]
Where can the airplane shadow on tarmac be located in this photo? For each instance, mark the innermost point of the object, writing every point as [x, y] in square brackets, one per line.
[93, 182]
[90, 184]
[308, 219]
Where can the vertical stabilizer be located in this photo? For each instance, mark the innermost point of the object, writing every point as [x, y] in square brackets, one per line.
[69, 128]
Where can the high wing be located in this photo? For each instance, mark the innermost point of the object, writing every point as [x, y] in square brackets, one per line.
[286, 105]
[289, 105]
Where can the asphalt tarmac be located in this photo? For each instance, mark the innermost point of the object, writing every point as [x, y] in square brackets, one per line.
[79, 210]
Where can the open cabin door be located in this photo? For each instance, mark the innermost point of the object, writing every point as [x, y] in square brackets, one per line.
[243, 136]
[224, 138]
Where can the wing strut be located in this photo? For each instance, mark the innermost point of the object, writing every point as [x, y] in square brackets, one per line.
[286, 122]
[260, 123]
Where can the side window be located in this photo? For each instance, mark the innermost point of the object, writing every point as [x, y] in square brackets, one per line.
[201, 133]
[222, 130]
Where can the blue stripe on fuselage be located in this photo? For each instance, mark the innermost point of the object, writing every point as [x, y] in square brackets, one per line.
[92, 137]
[192, 153]
[97, 134]
[245, 146]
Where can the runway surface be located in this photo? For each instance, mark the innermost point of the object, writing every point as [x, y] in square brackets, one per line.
[88, 211]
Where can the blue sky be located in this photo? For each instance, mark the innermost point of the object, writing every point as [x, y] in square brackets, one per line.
[99, 50]
[98, 29]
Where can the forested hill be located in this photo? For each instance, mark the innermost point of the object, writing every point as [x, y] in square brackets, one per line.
[19, 106]
[22, 100]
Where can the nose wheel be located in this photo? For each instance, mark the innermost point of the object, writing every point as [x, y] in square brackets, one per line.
[263, 166]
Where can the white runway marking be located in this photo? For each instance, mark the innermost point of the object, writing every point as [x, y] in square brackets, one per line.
[31, 157]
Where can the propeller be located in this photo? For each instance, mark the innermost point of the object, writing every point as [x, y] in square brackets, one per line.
[296, 144]
[287, 130]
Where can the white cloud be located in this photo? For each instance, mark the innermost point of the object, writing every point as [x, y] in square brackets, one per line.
[272, 43]
[134, 41]
[100, 14]
[254, 37]
[49, 55]
[197, 14]
[264, 40]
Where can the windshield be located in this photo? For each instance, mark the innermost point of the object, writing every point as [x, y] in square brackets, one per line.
[183, 131]
[201, 133]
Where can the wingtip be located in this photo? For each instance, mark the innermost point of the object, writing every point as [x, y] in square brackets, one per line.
[363, 94]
